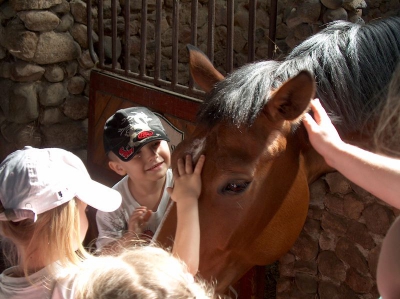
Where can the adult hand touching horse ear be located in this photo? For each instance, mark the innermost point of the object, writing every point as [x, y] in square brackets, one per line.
[375, 173]
[321, 132]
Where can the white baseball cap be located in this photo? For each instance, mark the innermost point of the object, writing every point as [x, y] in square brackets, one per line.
[33, 181]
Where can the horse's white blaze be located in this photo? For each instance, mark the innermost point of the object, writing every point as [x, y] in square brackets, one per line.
[196, 148]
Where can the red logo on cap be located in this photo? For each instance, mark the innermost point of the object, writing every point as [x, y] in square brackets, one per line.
[145, 134]
[125, 153]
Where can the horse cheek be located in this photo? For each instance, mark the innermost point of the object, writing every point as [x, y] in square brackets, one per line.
[282, 231]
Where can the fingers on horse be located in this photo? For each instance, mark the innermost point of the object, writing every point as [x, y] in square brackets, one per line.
[199, 164]
[323, 115]
[180, 167]
[188, 164]
[319, 112]
[308, 121]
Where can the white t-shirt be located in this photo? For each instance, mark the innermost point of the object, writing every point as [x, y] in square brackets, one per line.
[113, 225]
[39, 285]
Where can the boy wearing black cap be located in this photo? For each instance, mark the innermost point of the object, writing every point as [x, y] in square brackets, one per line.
[136, 145]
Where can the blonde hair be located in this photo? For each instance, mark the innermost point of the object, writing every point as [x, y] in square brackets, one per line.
[138, 272]
[387, 134]
[53, 237]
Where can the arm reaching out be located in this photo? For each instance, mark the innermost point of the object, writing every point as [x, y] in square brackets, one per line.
[375, 173]
[185, 193]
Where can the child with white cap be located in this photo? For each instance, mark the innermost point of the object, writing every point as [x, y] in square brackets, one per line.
[43, 197]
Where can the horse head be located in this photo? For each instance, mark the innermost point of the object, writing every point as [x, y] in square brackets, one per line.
[254, 199]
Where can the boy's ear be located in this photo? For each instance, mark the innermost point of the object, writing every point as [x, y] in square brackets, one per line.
[116, 167]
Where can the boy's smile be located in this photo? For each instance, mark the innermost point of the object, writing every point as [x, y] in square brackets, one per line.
[156, 166]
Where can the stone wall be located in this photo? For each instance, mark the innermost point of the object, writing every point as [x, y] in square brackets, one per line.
[337, 252]
[44, 74]
[45, 65]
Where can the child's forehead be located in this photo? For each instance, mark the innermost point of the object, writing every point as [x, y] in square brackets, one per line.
[154, 142]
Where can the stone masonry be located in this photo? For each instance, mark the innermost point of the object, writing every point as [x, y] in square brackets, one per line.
[44, 81]
[337, 252]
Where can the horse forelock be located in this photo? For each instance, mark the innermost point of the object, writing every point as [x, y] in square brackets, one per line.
[352, 65]
[240, 97]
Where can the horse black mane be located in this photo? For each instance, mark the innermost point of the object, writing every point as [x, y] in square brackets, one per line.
[352, 65]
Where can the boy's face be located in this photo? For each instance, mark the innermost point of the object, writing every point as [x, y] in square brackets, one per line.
[151, 162]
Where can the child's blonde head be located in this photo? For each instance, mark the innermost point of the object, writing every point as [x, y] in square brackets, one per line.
[43, 194]
[141, 272]
[54, 236]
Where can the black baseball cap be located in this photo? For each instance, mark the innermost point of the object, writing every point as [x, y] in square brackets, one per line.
[128, 130]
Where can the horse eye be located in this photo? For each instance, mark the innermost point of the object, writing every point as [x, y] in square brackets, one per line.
[235, 188]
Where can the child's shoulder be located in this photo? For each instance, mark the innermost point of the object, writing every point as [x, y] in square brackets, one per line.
[121, 182]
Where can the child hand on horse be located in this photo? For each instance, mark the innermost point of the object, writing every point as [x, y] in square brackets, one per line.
[186, 193]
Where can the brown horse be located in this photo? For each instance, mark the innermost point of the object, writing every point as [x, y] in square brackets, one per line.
[259, 162]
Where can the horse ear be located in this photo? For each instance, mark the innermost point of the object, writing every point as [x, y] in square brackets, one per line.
[202, 70]
[292, 98]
